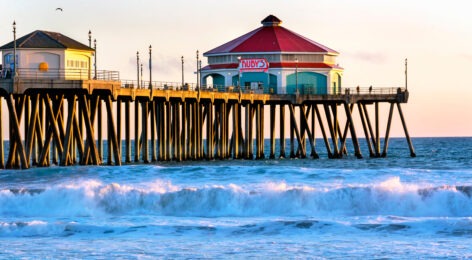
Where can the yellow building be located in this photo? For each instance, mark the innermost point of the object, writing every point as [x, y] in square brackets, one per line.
[43, 54]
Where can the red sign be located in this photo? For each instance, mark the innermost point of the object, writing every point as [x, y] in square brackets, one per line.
[253, 65]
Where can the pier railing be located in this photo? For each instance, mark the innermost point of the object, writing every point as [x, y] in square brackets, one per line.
[166, 85]
[65, 74]
[372, 90]
[162, 85]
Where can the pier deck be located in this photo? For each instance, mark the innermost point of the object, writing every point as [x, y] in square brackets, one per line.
[63, 122]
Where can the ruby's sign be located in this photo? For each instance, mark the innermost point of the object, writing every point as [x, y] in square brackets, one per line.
[253, 65]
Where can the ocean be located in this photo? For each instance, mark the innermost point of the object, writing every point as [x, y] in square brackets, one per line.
[373, 208]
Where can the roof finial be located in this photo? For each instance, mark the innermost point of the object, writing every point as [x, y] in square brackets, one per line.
[271, 20]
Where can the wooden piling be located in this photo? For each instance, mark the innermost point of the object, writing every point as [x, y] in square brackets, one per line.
[282, 130]
[2, 148]
[137, 123]
[405, 129]
[128, 131]
[144, 140]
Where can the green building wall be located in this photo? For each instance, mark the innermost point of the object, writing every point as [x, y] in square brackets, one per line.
[266, 80]
[308, 83]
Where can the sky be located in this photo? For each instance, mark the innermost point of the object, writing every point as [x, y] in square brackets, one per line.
[373, 38]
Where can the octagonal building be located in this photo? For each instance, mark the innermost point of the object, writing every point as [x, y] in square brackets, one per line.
[273, 59]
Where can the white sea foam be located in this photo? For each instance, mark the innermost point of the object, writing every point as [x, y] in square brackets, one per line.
[162, 198]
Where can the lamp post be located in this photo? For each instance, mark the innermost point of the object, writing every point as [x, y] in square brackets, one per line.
[296, 77]
[142, 83]
[239, 72]
[137, 66]
[150, 67]
[406, 74]
[182, 58]
[95, 57]
[14, 49]
[89, 61]
[197, 70]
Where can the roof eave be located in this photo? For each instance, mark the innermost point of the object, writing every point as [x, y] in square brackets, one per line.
[269, 52]
[43, 48]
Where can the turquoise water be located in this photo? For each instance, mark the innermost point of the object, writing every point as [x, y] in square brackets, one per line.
[395, 207]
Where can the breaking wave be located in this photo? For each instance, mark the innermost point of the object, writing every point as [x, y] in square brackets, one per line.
[160, 198]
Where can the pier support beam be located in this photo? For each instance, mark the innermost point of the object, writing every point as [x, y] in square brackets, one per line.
[272, 132]
[88, 116]
[99, 130]
[113, 135]
[407, 135]
[2, 149]
[295, 129]
[352, 129]
[128, 131]
[282, 131]
[137, 123]
[16, 137]
[144, 138]
[323, 132]
[152, 108]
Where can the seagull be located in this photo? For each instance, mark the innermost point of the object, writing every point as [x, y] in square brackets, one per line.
[59, 9]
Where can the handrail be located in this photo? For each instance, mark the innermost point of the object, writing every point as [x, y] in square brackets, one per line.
[65, 74]
[372, 91]
[165, 85]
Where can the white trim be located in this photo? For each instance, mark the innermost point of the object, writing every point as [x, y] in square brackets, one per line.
[217, 70]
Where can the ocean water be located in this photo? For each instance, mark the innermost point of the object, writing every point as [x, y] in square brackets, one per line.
[394, 207]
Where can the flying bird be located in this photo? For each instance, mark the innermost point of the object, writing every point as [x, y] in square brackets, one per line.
[59, 9]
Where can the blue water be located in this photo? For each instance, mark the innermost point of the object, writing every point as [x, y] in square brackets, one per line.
[395, 207]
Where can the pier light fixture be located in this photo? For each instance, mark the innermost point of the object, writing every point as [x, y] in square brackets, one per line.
[90, 38]
[150, 67]
[142, 81]
[239, 72]
[137, 68]
[197, 69]
[95, 58]
[296, 77]
[182, 59]
[90, 46]
[200, 71]
[406, 74]
[14, 49]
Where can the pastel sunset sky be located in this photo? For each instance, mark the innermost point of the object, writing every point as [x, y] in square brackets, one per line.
[373, 37]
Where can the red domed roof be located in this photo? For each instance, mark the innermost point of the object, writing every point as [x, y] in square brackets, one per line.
[271, 37]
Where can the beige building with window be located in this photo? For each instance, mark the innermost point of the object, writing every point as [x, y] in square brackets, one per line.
[43, 54]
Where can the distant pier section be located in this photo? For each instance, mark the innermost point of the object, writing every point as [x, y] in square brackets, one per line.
[61, 108]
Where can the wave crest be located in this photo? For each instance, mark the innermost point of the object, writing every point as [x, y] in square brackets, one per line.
[92, 198]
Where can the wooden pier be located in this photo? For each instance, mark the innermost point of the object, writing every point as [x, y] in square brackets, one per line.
[54, 121]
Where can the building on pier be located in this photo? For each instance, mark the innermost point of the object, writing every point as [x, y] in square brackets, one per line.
[43, 54]
[283, 62]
